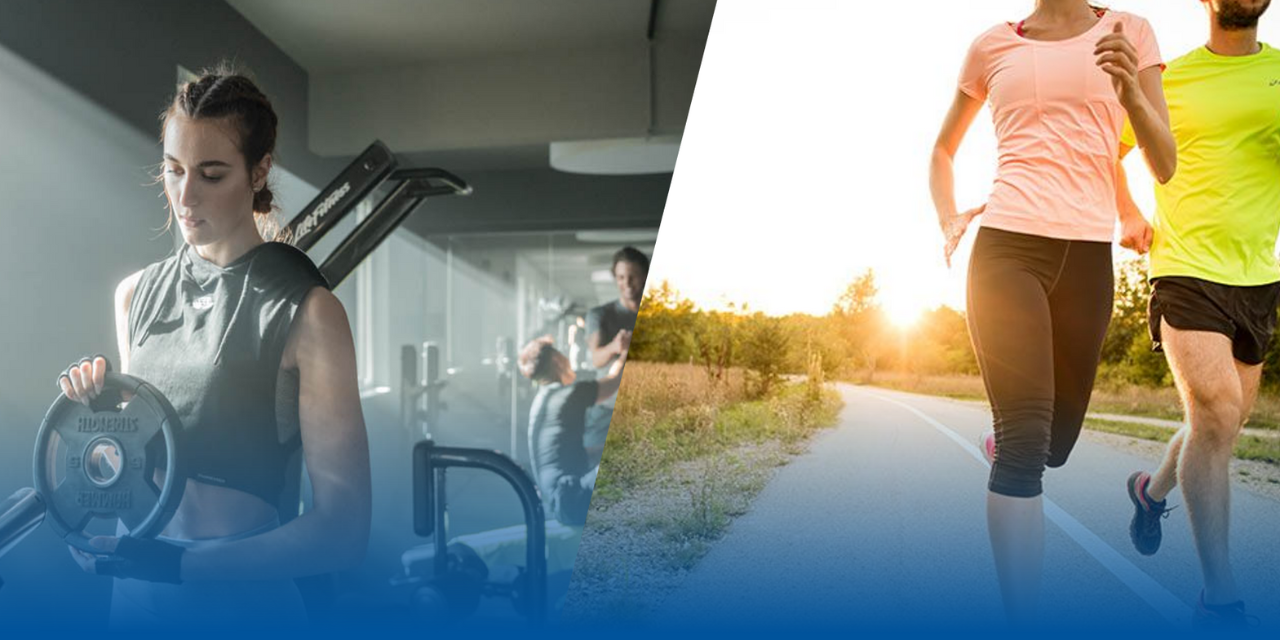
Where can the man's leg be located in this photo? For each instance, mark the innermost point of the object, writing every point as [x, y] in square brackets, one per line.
[1250, 378]
[1166, 477]
[1210, 385]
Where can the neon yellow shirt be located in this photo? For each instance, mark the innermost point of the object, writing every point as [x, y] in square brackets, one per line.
[1219, 216]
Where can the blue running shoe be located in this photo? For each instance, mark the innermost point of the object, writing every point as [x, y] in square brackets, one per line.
[1222, 617]
[1144, 530]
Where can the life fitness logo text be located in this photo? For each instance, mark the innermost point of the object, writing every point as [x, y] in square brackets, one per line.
[309, 223]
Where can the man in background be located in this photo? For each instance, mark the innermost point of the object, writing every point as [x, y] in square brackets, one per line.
[609, 328]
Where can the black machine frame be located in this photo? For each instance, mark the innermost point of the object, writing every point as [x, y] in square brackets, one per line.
[419, 402]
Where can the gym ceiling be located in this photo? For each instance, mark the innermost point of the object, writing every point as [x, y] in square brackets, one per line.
[479, 87]
[484, 87]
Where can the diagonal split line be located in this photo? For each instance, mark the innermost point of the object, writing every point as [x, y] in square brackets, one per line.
[1144, 586]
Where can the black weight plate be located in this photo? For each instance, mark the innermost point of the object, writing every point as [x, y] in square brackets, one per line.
[79, 486]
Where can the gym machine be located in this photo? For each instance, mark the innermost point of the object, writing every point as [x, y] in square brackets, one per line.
[451, 577]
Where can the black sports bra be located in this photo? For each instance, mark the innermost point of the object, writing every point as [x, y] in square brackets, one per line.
[211, 339]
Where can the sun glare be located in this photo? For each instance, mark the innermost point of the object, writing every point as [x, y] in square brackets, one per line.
[903, 314]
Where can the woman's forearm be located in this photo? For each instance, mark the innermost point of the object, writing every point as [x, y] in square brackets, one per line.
[942, 177]
[942, 185]
[315, 542]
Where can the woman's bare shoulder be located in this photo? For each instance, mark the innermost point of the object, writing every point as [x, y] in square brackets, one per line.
[124, 291]
[322, 308]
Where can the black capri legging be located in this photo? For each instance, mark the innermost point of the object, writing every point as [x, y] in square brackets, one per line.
[1038, 313]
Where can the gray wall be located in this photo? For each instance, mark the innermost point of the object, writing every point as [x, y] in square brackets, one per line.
[122, 54]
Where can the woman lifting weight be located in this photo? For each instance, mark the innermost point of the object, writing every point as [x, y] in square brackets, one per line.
[244, 338]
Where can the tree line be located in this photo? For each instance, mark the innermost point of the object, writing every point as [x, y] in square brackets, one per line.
[855, 340]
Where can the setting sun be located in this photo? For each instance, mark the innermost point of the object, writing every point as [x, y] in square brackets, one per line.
[903, 313]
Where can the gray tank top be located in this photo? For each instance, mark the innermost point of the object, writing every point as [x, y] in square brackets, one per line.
[211, 339]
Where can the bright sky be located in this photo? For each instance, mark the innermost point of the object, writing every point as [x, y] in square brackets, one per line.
[805, 159]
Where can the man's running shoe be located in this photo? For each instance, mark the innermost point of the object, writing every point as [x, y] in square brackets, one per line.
[1221, 616]
[1144, 530]
[988, 445]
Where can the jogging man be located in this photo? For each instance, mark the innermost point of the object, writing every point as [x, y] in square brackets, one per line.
[1216, 281]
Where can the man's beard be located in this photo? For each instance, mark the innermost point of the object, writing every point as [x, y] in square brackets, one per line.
[1234, 17]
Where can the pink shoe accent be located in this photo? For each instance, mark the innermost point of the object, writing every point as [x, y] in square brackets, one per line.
[989, 446]
[1141, 487]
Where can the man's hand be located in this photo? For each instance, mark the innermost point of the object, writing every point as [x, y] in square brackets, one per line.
[1136, 234]
[621, 342]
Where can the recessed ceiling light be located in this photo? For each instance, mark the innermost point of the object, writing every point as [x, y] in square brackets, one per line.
[618, 156]
[619, 236]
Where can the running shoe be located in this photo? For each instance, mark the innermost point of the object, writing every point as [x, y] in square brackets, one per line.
[988, 446]
[1144, 529]
[1221, 617]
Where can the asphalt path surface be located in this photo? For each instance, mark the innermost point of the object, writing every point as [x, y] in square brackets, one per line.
[882, 523]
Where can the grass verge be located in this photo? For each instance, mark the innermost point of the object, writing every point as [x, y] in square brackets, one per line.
[684, 457]
[1248, 447]
[711, 444]
[1132, 400]
[667, 414]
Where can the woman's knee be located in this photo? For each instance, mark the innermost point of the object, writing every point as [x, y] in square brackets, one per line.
[1016, 479]
[1022, 450]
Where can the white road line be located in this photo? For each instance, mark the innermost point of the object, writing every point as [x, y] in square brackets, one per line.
[1144, 586]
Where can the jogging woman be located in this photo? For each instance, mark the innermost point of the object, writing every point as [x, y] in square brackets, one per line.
[1060, 85]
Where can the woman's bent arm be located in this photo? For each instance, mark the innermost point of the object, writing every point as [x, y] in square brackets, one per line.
[334, 534]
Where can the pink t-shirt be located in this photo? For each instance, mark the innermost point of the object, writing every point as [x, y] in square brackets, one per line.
[1058, 122]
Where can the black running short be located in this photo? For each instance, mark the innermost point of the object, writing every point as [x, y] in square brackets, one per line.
[1246, 315]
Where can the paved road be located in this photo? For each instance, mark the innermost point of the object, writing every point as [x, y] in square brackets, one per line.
[883, 522]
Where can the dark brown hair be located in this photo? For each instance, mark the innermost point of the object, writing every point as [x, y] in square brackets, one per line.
[534, 360]
[632, 255]
[226, 92]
